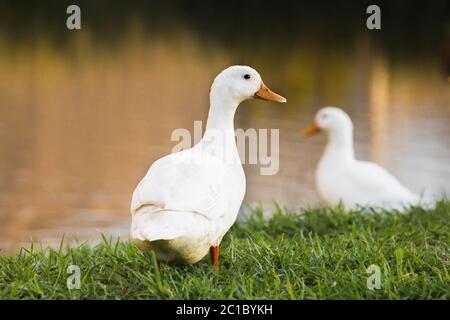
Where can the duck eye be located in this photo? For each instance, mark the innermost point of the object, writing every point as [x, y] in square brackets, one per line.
[247, 76]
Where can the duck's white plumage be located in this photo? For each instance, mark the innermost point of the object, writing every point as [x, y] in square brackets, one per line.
[187, 207]
[342, 178]
[188, 200]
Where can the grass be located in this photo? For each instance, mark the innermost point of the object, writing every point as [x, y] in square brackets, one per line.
[319, 254]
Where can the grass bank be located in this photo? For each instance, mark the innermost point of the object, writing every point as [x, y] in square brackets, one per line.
[320, 254]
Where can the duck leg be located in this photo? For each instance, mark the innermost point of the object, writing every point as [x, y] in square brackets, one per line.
[215, 257]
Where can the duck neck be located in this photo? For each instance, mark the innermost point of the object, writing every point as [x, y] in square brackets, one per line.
[219, 133]
[220, 116]
[340, 145]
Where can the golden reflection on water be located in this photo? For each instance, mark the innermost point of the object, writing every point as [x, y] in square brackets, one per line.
[379, 107]
[80, 126]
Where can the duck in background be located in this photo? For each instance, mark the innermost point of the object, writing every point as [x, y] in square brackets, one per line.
[188, 200]
[341, 177]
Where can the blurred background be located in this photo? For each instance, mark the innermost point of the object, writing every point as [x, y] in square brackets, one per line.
[84, 113]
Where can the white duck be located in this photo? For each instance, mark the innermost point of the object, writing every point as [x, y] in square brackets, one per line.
[188, 200]
[340, 177]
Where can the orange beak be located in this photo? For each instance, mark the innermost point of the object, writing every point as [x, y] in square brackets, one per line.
[311, 130]
[267, 94]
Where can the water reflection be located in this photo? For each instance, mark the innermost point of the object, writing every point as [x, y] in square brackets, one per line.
[79, 126]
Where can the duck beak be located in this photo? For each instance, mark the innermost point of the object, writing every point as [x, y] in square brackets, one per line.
[311, 130]
[267, 94]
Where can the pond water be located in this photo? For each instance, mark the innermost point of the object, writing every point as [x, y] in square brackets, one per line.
[80, 123]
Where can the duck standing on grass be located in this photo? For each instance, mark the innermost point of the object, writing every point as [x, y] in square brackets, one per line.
[188, 200]
[340, 177]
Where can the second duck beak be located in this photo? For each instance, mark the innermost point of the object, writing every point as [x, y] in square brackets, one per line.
[267, 94]
[313, 129]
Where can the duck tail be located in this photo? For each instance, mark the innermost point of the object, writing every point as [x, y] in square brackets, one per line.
[152, 223]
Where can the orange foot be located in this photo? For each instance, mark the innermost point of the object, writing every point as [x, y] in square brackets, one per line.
[215, 257]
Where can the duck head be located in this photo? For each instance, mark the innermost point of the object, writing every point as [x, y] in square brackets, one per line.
[332, 120]
[240, 83]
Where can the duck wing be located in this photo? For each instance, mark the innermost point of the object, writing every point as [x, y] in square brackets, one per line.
[176, 182]
[376, 185]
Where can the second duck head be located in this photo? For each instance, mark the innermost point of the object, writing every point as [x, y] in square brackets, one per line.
[335, 122]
